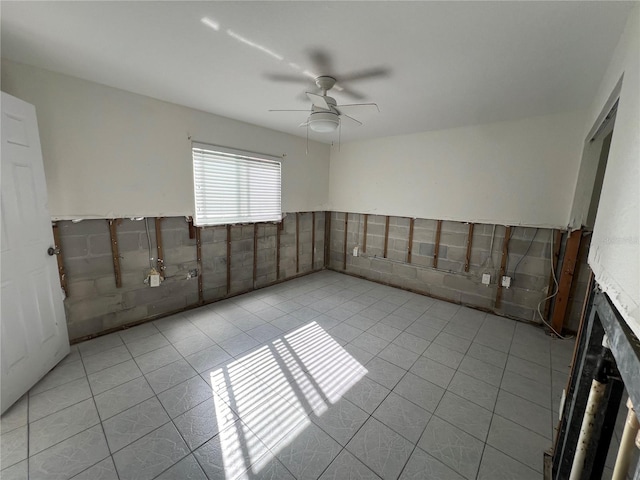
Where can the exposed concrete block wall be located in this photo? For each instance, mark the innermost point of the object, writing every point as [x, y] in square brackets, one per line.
[94, 304]
[530, 281]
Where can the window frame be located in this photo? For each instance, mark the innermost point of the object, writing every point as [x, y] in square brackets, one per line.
[246, 160]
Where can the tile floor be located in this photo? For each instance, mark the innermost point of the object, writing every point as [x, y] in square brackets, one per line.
[326, 376]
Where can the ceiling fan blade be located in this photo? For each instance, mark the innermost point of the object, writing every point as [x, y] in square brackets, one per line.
[358, 107]
[308, 111]
[280, 77]
[365, 74]
[318, 100]
[321, 61]
[357, 122]
[349, 92]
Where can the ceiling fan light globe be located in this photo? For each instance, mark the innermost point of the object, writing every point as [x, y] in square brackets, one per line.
[323, 122]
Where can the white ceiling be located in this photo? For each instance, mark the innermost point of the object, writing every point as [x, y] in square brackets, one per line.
[448, 64]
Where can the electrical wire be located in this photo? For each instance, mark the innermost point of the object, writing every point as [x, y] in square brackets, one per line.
[146, 226]
[488, 263]
[525, 253]
[557, 288]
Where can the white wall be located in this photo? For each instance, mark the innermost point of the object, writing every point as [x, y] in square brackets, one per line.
[516, 173]
[615, 247]
[110, 153]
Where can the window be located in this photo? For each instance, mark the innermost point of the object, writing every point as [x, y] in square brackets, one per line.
[232, 186]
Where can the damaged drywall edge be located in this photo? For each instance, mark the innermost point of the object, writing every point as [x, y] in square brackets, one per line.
[627, 307]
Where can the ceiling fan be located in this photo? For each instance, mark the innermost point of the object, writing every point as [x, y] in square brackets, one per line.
[325, 114]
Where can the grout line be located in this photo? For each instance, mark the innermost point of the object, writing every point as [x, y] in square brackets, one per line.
[305, 292]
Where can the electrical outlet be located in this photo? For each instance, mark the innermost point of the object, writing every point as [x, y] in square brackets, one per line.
[486, 278]
[154, 280]
[506, 281]
[192, 273]
[356, 251]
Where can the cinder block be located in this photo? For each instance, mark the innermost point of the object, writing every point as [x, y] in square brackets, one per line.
[136, 261]
[166, 305]
[525, 298]
[478, 257]
[247, 231]
[220, 264]
[453, 239]
[215, 293]
[143, 296]
[176, 238]
[405, 271]
[106, 284]
[175, 223]
[483, 229]
[449, 266]
[241, 285]
[458, 282]
[128, 225]
[206, 235]
[478, 300]
[82, 328]
[519, 312]
[305, 222]
[536, 249]
[263, 280]
[73, 246]
[242, 246]
[85, 227]
[430, 276]
[399, 232]
[455, 227]
[481, 242]
[214, 281]
[99, 244]
[421, 235]
[455, 254]
[180, 254]
[381, 266]
[446, 293]
[536, 283]
[375, 230]
[82, 288]
[531, 266]
[421, 260]
[81, 309]
[267, 242]
[425, 224]
[130, 280]
[401, 245]
[124, 317]
[399, 221]
[88, 267]
[220, 234]
[426, 249]
[214, 250]
[287, 240]
[129, 242]
[236, 232]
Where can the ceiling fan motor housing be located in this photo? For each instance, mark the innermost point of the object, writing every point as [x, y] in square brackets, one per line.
[325, 83]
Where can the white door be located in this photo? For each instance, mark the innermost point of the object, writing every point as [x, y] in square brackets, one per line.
[34, 329]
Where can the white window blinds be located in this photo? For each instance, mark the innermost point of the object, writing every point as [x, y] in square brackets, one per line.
[232, 186]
